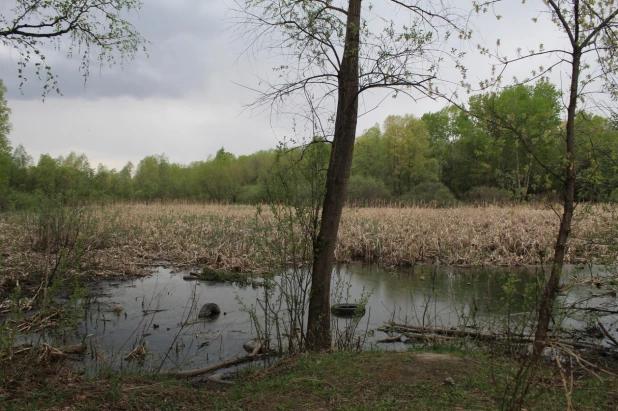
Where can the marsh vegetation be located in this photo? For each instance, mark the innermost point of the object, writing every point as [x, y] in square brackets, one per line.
[126, 239]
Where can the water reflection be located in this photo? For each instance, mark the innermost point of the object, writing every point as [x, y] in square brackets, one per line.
[122, 313]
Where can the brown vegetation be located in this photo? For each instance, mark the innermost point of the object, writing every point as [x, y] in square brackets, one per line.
[237, 238]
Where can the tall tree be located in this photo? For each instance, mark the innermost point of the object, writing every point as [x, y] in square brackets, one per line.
[221, 176]
[400, 157]
[590, 57]
[5, 123]
[125, 182]
[45, 176]
[334, 55]
[525, 152]
[5, 145]
[95, 29]
[74, 176]
[409, 157]
[22, 162]
[147, 178]
[441, 136]
[596, 158]
[370, 155]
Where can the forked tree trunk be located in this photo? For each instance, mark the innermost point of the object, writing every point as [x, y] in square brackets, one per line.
[318, 321]
[553, 283]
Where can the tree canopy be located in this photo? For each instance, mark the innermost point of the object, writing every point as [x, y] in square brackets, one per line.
[439, 159]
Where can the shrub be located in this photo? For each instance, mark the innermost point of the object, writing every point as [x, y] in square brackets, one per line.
[367, 190]
[487, 195]
[250, 194]
[12, 200]
[431, 193]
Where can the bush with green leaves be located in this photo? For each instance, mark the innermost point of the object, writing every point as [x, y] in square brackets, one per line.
[430, 193]
[363, 190]
[487, 195]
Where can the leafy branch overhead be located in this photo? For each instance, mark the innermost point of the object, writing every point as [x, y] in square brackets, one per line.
[403, 56]
[96, 29]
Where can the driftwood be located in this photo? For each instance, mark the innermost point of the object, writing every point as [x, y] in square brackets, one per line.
[428, 337]
[137, 352]
[391, 339]
[58, 351]
[47, 351]
[606, 333]
[415, 331]
[146, 312]
[218, 379]
[454, 333]
[591, 309]
[236, 360]
[73, 349]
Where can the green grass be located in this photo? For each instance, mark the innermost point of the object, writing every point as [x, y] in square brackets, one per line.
[372, 380]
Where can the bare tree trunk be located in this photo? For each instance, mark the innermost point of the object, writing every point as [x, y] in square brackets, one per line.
[529, 368]
[526, 187]
[553, 284]
[519, 191]
[318, 322]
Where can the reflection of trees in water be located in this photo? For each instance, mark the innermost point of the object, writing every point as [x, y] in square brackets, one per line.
[441, 295]
[478, 297]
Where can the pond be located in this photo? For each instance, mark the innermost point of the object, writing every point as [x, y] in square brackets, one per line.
[162, 310]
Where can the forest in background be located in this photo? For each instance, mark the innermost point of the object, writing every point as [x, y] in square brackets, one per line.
[439, 159]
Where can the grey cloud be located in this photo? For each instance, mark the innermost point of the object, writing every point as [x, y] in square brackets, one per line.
[182, 101]
[181, 33]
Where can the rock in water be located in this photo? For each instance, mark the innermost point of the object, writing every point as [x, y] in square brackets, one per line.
[250, 345]
[209, 310]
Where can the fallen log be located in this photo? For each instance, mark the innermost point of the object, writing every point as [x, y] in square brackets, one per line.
[428, 337]
[396, 338]
[73, 349]
[591, 309]
[236, 360]
[454, 333]
[516, 338]
[218, 379]
[606, 333]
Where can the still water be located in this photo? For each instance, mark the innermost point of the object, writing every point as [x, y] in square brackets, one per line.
[162, 310]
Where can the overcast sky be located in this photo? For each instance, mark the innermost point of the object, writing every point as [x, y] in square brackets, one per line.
[182, 99]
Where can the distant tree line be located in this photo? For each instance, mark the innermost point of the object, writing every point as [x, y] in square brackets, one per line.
[444, 157]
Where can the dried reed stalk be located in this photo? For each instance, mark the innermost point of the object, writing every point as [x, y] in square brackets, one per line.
[235, 238]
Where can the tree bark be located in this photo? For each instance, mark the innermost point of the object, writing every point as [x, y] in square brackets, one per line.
[553, 283]
[318, 321]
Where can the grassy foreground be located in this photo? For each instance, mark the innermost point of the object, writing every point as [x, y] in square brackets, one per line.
[373, 380]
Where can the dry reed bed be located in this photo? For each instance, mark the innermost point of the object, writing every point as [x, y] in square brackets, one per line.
[236, 238]
[465, 236]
